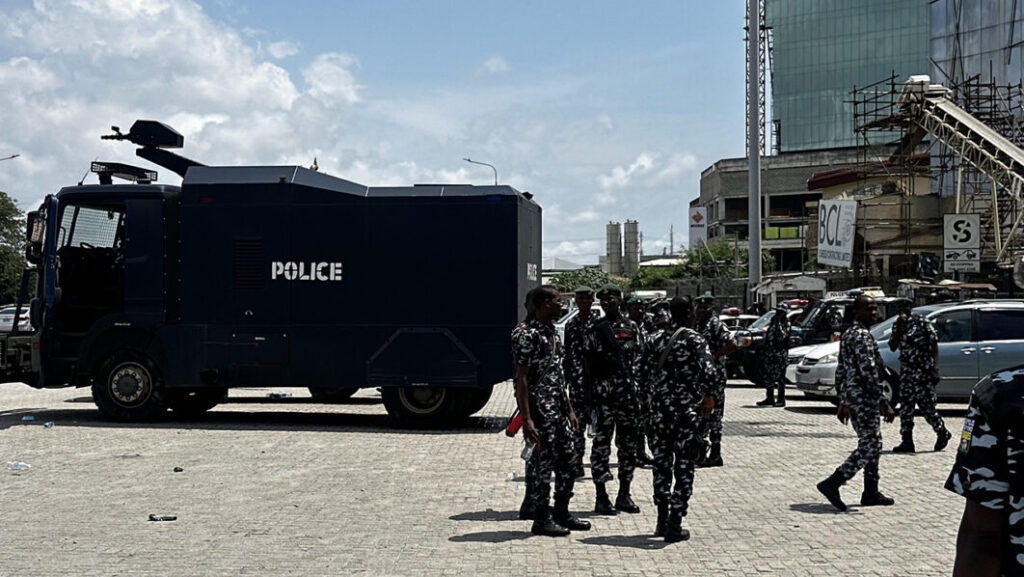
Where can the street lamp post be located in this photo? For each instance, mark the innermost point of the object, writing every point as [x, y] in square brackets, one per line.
[485, 164]
[10, 157]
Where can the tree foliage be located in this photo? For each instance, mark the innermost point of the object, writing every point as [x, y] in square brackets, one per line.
[719, 259]
[12, 245]
[591, 277]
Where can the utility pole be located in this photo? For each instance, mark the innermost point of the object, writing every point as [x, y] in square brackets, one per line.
[671, 240]
[753, 146]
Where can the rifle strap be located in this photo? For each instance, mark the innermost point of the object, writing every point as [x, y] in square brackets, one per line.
[668, 347]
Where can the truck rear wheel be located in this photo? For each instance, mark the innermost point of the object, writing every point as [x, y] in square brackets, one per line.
[190, 403]
[129, 387]
[420, 406]
[475, 399]
[326, 395]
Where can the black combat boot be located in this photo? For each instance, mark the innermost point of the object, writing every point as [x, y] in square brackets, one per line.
[624, 502]
[563, 517]
[714, 457]
[674, 531]
[659, 527]
[872, 496]
[603, 506]
[577, 470]
[942, 440]
[780, 400]
[528, 510]
[545, 525]
[906, 445]
[769, 399]
[830, 489]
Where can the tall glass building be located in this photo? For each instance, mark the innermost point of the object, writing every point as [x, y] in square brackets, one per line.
[977, 37]
[822, 49]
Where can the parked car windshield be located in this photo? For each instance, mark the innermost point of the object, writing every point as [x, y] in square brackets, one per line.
[763, 321]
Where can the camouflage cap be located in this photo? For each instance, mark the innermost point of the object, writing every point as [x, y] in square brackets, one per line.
[705, 298]
[583, 290]
[609, 290]
[635, 300]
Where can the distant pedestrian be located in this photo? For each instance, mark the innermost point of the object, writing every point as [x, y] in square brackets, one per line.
[989, 472]
[773, 359]
[918, 344]
[861, 400]
[682, 378]
[548, 418]
[721, 344]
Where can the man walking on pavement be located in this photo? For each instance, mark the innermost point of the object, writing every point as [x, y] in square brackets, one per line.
[721, 344]
[548, 417]
[919, 375]
[862, 401]
[579, 396]
[611, 350]
[682, 375]
[776, 349]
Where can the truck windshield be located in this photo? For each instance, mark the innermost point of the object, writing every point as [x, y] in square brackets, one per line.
[87, 227]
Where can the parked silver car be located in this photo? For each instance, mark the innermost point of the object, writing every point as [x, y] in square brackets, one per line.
[975, 338]
[7, 319]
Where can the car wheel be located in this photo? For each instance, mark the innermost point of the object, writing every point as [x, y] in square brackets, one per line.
[420, 406]
[190, 403]
[129, 387]
[330, 395]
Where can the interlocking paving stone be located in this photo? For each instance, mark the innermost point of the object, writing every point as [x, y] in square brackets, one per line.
[289, 487]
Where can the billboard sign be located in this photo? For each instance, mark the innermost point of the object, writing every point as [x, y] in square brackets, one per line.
[961, 243]
[837, 223]
[698, 225]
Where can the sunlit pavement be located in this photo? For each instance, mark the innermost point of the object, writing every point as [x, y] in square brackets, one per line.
[286, 487]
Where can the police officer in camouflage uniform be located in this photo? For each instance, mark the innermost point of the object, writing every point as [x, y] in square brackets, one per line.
[773, 359]
[548, 418]
[861, 398]
[531, 497]
[575, 331]
[989, 472]
[611, 350]
[636, 310]
[682, 374]
[721, 344]
[918, 344]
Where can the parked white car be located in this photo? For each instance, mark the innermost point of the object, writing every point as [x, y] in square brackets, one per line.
[7, 319]
[595, 310]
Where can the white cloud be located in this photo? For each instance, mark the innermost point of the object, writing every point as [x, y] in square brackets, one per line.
[585, 216]
[620, 177]
[494, 65]
[330, 80]
[283, 49]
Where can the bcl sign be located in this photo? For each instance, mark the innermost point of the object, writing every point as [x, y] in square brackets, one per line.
[837, 220]
[698, 225]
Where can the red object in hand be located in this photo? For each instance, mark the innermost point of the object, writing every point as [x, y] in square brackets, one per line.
[514, 424]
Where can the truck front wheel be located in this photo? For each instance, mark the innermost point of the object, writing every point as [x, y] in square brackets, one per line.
[420, 406]
[129, 387]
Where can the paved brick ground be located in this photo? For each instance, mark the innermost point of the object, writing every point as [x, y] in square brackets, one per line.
[285, 487]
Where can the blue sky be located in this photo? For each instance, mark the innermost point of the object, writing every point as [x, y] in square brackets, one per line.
[603, 110]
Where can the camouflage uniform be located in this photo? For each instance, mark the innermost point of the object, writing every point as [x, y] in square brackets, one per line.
[857, 381]
[717, 337]
[917, 342]
[537, 347]
[575, 332]
[989, 465]
[677, 387]
[615, 395]
[531, 499]
[776, 348]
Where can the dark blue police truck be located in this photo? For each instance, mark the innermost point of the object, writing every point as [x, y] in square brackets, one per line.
[163, 297]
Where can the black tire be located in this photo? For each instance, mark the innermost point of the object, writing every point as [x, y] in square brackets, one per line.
[190, 403]
[326, 395]
[129, 386]
[421, 406]
[475, 399]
